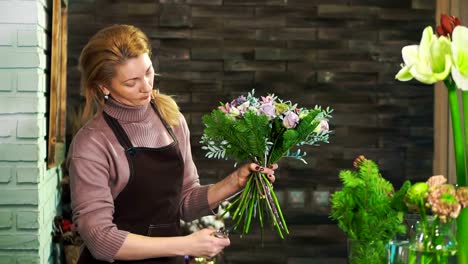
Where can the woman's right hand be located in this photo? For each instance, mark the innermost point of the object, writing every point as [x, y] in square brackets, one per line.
[204, 244]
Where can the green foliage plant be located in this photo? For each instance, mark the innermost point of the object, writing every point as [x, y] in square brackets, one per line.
[368, 211]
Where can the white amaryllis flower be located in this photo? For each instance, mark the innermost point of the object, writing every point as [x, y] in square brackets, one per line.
[428, 62]
[460, 57]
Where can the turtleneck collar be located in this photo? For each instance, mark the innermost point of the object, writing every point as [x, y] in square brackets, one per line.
[126, 113]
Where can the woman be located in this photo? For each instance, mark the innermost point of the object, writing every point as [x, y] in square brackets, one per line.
[132, 173]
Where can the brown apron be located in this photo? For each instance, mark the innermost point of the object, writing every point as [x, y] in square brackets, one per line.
[149, 203]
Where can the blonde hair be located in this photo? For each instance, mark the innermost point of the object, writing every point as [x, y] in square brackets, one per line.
[108, 48]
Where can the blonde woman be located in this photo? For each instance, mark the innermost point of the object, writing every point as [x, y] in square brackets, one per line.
[131, 167]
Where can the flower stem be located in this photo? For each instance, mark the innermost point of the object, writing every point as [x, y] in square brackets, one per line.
[465, 125]
[460, 158]
[462, 238]
[457, 132]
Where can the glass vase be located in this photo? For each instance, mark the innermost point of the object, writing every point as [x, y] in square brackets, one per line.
[398, 247]
[364, 252]
[433, 242]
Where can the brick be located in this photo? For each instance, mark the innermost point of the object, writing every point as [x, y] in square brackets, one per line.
[27, 174]
[280, 196]
[21, 59]
[296, 198]
[142, 9]
[254, 66]
[276, 21]
[19, 241]
[7, 128]
[5, 174]
[175, 16]
[42, 16]
[7, 81]
[31, 38]
[30, 128]
[6, 219]
[321, 198]
[31, 81]
[191, 66]
[343, 33]
[7, 37]
[200, 2]
[19, 197]
[174, 54]
[17, 104]
[18, 12]
[423, 4]
[256, 2]
[31, 259]
[287, 34]
[7, 259]
[343, 12]
[19, 152]
[27, 219]
[172, 33]
[284, 54]
[222, 11]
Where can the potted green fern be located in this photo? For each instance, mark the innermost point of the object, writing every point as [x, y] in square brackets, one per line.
[368, 211]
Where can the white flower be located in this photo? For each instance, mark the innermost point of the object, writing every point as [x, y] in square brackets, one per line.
[429, 62]
[460, 57]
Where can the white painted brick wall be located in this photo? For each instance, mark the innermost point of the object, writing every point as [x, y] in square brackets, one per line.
[7, 80]
[28, 191]
[5, 174]
[27, 219]
[6, 219]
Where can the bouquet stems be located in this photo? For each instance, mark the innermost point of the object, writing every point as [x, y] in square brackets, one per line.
[461, 160]
[258, 199]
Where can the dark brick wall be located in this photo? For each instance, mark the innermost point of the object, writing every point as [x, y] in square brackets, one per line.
[338, 53]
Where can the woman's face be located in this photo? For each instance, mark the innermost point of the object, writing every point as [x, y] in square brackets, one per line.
[133, 82]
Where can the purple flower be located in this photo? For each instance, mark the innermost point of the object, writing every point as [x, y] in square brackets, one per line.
[290, 119]
[238, 101]
[269, 110]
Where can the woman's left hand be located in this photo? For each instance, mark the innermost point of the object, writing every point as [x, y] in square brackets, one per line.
[243, 173]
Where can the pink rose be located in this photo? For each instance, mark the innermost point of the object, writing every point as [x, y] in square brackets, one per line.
[290, 119]
[322, 126]
[269, 110]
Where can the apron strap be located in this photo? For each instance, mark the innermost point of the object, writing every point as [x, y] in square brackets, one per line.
[168, 127]
[119, 131]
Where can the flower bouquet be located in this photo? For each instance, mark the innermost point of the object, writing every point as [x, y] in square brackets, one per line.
[261, 130]
[433, 240]
[444, 57]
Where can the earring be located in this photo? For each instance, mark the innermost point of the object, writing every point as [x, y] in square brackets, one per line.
[106, 96]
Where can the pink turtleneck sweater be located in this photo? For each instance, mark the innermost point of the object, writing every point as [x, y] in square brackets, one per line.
[99, 171]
